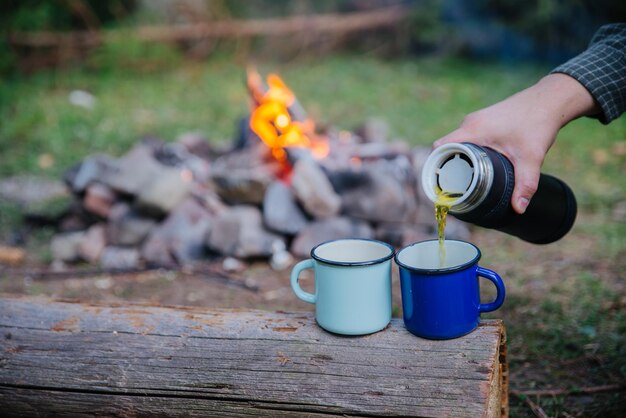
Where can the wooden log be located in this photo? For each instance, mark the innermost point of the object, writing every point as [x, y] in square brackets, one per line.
[66, 359]
[333, 23]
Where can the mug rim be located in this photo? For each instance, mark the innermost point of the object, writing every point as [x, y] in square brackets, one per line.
[391, 254]
[438, 271]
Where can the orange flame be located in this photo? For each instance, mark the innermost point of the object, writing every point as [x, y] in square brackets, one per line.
[273, 120]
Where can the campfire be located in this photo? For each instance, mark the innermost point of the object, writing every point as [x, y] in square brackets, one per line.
[279, 120]
[285, 185]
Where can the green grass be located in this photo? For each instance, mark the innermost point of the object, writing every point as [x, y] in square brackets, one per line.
[565, 301]
[421, 100]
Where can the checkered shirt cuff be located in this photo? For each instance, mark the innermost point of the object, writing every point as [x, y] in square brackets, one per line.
[601, 69]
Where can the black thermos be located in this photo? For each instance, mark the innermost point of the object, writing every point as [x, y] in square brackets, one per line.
[483, 180]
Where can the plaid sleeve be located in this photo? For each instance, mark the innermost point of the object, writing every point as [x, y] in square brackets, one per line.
[602, 70]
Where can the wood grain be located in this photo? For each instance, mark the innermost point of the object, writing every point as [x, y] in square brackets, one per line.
[74, 359]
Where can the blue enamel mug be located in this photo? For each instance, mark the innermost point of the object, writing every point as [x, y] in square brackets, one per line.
[352, 285]
[442, 301]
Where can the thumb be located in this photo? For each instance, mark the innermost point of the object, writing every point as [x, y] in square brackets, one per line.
[526, 182]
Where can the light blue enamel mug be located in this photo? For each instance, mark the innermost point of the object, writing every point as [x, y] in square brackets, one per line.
[352, 285]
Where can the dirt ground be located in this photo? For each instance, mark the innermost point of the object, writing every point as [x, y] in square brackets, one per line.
[205, 284]
[534, 271]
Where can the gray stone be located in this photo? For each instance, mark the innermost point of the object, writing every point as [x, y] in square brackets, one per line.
[375, 196]
[92, 245]
[208, 199]
[424, 214]
[239, 232]
[199, 168]
[52, 210]
[242, 177]
[164, 191]
[135, 170]
[233, 265]
[224, 236]
[126, 175]
[99, 198]
[156, 250]
[76, 218]
[195, 143]
[119, 258]
[281, 212]
[328, 229]
[171, 155]
[28, 190]
[242, 186]
[280, 260]
[73, 223]
[94, 168]
[313, 190]
[374, 130]
[65, 247]
[374, 150]
[180, 238]
[178, 156]
[400, 234]
[127, 226]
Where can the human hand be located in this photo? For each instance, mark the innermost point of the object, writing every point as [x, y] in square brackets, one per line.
[524, 126]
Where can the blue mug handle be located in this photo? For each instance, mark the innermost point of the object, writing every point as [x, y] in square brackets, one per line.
[496, 280]
[295, 275]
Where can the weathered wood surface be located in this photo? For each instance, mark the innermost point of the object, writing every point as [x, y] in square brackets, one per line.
[73, 359]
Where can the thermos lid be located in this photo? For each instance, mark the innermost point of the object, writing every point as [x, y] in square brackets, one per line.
[451, 169]
[455, 175]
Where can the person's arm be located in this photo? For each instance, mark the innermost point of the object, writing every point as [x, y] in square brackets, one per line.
[524, 126]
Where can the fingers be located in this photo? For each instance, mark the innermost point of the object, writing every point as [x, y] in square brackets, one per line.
[526, 182]
[459, 135]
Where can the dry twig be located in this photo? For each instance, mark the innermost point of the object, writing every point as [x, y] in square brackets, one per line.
[575, 391]
[205, 272]
[537, 410]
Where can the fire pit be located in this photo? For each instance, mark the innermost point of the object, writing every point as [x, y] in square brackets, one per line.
[284, 186]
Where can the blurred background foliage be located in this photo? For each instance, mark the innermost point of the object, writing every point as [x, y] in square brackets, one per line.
[539, 30]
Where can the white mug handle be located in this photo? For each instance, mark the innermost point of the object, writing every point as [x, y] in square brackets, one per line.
[295, 275]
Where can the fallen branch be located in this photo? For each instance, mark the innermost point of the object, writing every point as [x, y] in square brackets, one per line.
[207, 273]
[334, 23]
[537, 410]
[524, 395]
[576, 391]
